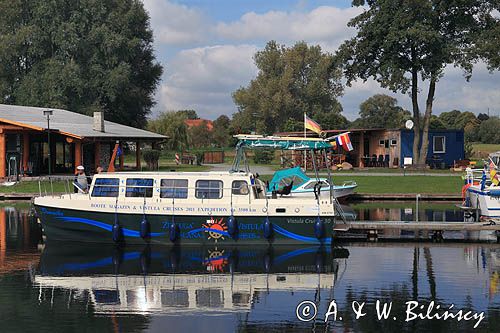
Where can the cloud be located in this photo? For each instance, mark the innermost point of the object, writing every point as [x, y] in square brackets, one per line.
[325, 25]
[175, 24]
[203, 79]
[452, 92]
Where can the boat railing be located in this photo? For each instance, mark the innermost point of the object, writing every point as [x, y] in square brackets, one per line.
[476, 176]
[55, 185]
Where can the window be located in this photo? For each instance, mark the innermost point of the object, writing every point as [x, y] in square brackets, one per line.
[174, 188]
[439, 144]
[139, 188]
[106, 187]
[394, 142]
[312, 184]
[208, 189]
[381, 142]
[239, 187]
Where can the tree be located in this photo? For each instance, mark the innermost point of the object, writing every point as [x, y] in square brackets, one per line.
[85, 56]
[290, 81]
[172, 125]
[489, 130]
[482, 117]
[399, 41]
[200, 136]
[382, 111]
[221, 131]
[188, 114]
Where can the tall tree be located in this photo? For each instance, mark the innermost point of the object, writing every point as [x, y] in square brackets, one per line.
[401, 41]
[290, 81]
[222, 131]
[85, 56]
[171, 124]
[382, 111]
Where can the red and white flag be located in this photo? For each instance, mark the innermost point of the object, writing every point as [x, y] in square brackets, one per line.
[345, 141]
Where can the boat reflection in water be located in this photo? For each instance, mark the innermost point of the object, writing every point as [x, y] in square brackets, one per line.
[164, 280]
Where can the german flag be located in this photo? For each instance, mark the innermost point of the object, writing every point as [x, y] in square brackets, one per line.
[312, 125]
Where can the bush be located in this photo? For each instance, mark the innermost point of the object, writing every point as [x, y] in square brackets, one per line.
[263, 156]
[151, 156]
[468, 150]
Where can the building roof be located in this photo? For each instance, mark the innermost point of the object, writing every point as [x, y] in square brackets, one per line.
[69, 123]
[197, 122]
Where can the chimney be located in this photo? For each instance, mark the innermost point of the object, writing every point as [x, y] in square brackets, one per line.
[98, 121]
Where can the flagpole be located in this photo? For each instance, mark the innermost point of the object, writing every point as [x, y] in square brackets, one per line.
[305, 136]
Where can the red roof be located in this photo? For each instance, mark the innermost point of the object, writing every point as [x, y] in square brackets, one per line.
[198, 122]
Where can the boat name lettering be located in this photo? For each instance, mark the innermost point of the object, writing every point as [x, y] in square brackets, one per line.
[55, 212]
[251, 226]
[212, 209]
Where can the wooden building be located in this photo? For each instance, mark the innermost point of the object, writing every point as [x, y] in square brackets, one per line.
[75, 139]
[380, 147]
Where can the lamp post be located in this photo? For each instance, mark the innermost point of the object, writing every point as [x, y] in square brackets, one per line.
[48, 113]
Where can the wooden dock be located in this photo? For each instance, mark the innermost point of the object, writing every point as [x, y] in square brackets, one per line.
[429, 230]
[421, 225]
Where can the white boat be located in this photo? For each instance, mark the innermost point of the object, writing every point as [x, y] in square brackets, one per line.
[481, 193]
[190, 207]
[305, 186]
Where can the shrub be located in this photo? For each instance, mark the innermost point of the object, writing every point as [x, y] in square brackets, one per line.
[263, 156]
[151, 156]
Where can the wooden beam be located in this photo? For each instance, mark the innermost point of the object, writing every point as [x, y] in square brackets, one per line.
[26, 151]
[138, 155]
[4, 128]
[2, 155]
[78, 153]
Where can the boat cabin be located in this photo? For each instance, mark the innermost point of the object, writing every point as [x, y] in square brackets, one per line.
[178, 186]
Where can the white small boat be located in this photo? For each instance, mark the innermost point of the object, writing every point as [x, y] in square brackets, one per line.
[481, 192]
[305, 186]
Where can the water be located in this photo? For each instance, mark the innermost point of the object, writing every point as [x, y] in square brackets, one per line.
[70, 287]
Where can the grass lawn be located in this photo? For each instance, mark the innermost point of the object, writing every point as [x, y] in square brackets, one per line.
[32, 187]
[407, 184]
[485, 147]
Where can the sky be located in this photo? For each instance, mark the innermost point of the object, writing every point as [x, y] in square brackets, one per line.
[206, 48]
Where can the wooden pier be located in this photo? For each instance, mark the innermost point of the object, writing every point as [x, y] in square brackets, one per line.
[392, 229]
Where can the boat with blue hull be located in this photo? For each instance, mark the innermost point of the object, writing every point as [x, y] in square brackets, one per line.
[190, 208]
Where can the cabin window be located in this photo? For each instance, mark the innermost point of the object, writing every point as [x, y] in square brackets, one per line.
[208, 189]
[239, 187]
[174, 188]
[139, 188]
[312, 184]
[106, 187]
[439, 144]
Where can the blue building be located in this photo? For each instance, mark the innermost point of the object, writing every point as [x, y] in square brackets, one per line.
[445, 147]
[381, 147]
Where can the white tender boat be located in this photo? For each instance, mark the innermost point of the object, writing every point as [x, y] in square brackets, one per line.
[305, 186]
[481, 192]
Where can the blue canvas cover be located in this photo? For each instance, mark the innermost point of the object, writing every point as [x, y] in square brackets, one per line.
[285, 176]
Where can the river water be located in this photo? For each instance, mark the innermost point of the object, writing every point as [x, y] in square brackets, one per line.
[59, 287]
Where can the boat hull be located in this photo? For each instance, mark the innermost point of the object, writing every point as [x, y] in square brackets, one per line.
[64, 224]
[487, 205]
